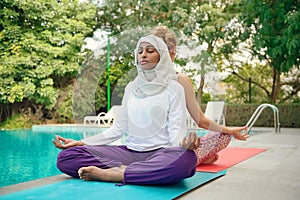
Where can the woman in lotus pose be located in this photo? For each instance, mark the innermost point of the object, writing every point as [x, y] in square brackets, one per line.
[153, 117]
[220, 136]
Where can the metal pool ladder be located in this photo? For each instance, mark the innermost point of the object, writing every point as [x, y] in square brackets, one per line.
[257, 113]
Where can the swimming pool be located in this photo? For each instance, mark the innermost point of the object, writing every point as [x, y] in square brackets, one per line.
[28, 155]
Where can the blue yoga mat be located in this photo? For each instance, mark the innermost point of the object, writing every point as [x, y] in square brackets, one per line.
[77, 189]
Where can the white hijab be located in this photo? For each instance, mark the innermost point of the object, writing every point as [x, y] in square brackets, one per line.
[152, 82]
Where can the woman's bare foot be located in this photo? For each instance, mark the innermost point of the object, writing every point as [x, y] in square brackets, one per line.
[210, 160]
[92, 173]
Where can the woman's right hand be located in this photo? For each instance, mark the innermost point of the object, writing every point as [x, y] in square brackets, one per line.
[192, 142]
[63, 143]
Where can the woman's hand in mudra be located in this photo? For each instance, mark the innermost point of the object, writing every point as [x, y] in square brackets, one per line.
[63, 143]
[191, 142]
[239, 133]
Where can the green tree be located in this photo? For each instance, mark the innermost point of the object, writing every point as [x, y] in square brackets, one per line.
[40, 50]
[214, 28]
[240, 91]
[274, 28]
[241, 69]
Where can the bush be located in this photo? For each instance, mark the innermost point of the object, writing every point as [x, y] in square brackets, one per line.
[17, 121]
[239, 115]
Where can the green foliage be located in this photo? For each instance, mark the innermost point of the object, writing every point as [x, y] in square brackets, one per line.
[273, 27]
[213, 23]
[18, 121]
[40, 48]
[41, 58]
[41, 42]
[277, 30]
[64, 106]
[205, 98]
[238, 90]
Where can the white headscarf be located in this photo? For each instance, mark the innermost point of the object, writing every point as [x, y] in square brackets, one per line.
[152, 82]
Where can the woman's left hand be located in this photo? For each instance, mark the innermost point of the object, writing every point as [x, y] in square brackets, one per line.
[192, 142]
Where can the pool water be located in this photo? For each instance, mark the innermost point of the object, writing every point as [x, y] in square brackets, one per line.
[28, 155]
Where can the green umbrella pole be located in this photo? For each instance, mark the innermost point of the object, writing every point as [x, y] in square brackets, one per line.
[108, 72]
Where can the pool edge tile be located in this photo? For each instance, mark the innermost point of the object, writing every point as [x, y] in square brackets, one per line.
[32, 184]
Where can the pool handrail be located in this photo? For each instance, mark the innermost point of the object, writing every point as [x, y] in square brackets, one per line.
[257, 113]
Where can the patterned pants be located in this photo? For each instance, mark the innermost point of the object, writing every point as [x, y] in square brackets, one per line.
[211, 144]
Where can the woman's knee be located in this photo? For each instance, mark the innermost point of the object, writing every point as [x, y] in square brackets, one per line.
[187, 164]
[191, 157]
[68, 160]
[192, 160]
[67, 154]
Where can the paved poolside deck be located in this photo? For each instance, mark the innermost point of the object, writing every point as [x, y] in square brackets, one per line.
[273, 174]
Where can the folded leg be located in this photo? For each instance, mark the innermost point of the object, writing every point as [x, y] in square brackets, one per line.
[165, 166]
[70, 160]
[210, 145]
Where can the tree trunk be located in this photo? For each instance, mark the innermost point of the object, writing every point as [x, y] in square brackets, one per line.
[275, 85]
[5, 112]
[200, 90]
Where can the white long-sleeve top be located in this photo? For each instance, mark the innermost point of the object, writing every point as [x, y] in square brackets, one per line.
[149, 123]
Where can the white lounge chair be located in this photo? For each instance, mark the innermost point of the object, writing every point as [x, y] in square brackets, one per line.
[103, 118]
[215, 111]
[190, 123]
[90, 120]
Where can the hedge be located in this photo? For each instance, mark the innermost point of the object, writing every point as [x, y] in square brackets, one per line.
[238, 115]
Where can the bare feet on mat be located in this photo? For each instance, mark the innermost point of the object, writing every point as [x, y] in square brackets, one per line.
[210, 160]
[92, 173]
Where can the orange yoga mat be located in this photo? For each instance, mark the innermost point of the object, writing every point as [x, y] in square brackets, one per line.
[230, 156]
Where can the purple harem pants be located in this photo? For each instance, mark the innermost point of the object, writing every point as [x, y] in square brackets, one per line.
[161, 166]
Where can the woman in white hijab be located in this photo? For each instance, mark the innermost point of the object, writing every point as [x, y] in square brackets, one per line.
[152, 118]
